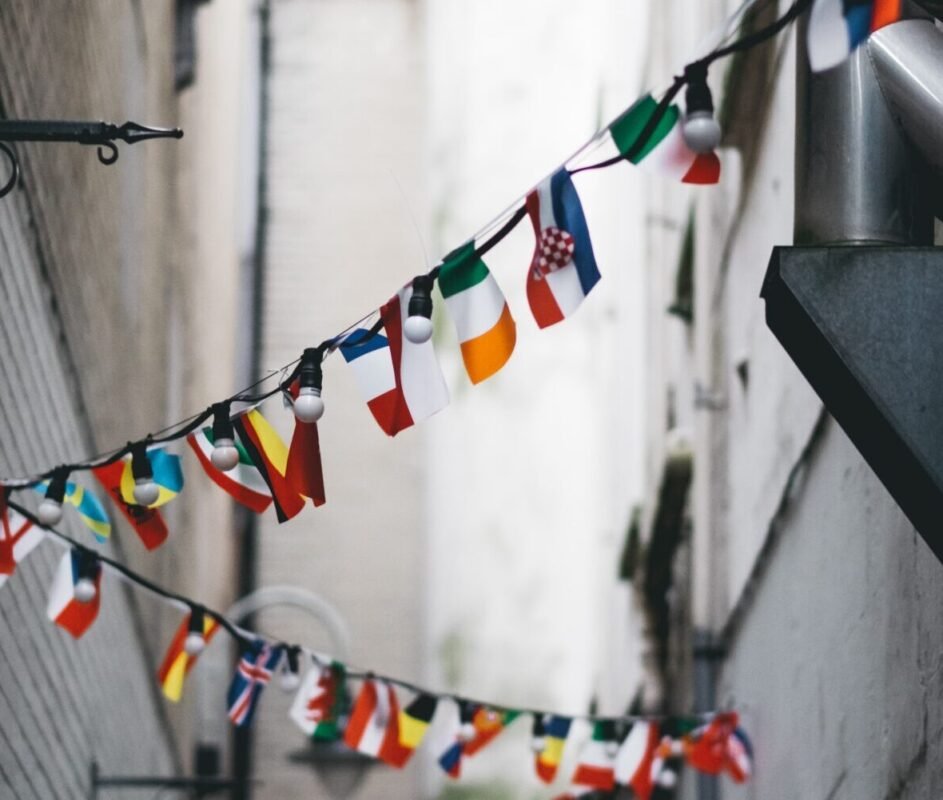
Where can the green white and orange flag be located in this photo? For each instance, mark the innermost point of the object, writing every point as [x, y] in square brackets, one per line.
[177, 662]
[665, 152]
[483, 321]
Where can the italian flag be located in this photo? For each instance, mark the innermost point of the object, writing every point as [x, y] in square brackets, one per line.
[244, 482]
[596, 766]
[665, 151]
[483, 321]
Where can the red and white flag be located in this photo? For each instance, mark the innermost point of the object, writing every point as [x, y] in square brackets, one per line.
[64, 608]
[373, 728]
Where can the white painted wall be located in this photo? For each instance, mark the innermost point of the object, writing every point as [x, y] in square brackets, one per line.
[532, 475]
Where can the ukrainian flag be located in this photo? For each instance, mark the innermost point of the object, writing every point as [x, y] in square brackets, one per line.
[87, 504]
[167, 475]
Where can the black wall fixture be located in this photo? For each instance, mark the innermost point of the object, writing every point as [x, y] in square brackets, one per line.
[865, 326]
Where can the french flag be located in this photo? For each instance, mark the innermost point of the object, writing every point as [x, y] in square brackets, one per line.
[837, 27]
[563, 269]
[400, 380]
[63, 608]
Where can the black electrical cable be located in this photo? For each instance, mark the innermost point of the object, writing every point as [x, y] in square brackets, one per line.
[694, 71]
[248, 640]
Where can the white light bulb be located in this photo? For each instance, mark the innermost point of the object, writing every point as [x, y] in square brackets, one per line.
[225, 456]
[467, 732]
[146, 491]
[538, 743]
[668, 779]
[290, 681]
[194, 643]
[418, 329]
[701, 131]
[85, 590]
[50, 512]
[309, 407]
[612, 749]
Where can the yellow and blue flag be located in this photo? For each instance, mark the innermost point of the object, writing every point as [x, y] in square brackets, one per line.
[167, 475]
[87, 504]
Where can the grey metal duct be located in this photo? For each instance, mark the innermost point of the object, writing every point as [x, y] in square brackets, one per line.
[857, 307]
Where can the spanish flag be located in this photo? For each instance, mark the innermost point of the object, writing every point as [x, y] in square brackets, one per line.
[270, 456]
[177, 662]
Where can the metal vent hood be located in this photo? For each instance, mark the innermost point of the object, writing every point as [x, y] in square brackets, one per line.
[858, 302]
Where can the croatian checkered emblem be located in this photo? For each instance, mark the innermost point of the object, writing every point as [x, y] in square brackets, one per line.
[554, 251]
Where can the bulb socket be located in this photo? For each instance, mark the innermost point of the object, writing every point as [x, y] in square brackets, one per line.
[222, 424]
[420, 303]
[309, 373]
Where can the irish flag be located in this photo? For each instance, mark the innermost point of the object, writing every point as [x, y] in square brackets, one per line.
[483, 321]
[244, 482]
[64, 609]
[400, 380]
[665, 151]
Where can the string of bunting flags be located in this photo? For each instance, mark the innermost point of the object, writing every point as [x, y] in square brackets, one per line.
[390, 351]
[393, 361]
[383, 717]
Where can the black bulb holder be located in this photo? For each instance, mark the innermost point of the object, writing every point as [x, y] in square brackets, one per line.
[196, 622]
[55, 491]
[140, 464]
[420, 303]
[222, 424]
[309, 373]
[697, 96]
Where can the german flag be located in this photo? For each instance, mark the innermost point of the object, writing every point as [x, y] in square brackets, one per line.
[270, 456]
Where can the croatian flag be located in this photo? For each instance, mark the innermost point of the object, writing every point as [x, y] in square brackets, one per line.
[63, 608]
[563, 269]
[400, 380]
[837, 27]
[252, 675]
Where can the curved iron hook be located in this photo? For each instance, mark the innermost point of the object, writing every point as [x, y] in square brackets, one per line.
[107, 159]
[15, 176]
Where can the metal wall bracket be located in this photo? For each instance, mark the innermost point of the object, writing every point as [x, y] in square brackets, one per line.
[198, 786]
[863, 325]
[101, 134]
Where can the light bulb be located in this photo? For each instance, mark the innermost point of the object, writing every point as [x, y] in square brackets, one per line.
[84, 590]
[612, 749]
[466, 732]
[290, 681]
[668, 779]
[418, 329]
[538, 743]
[418, 325]
[308, 406]
[194, 643]
[145, 492]
[50, 512]
[701, 131]
[225, 456]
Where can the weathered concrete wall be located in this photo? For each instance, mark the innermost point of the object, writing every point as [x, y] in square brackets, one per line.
[828, 600]
[98, 339]
[345, 176]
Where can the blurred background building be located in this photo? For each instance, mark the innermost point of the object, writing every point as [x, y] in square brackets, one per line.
[648, 508]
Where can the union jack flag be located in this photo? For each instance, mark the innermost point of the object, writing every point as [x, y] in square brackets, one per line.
[253, 673]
